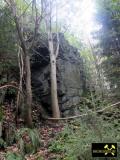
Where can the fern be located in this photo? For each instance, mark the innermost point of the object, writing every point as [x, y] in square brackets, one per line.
[13, 156]
[28, 140]
[2, 143]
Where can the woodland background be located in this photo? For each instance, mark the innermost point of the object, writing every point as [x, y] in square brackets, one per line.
[23, 133]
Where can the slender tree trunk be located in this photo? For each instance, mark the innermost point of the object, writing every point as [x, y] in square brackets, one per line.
[28, 114]
[28, 107]
[0, 129]
[54, 97]
[19, 98]
[18, 14]
[47, 7]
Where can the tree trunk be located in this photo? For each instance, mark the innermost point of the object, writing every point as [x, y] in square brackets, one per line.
[28, 110]
[54, 97]
[0, 129]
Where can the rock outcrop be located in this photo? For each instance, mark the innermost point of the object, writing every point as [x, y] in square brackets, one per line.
[69, 76]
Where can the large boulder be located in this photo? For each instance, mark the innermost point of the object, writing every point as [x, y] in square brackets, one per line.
[69, 76]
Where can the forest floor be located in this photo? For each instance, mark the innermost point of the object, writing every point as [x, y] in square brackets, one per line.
[47, 131]
[56, 142]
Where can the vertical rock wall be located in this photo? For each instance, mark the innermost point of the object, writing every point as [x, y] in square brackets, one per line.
[69, 77]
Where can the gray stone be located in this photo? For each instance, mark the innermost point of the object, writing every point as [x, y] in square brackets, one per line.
[69, 76]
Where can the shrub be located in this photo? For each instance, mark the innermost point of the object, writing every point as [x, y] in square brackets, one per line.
[13, 156]
[2, 143]
[28, 140]
[76, 139]
[79, 144]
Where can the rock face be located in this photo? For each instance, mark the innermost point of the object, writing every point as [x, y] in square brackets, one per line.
[69, 77]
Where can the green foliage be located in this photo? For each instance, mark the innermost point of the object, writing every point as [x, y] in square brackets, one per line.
[1, 113]
[28, 140]
[3, 80]
[88, 61]
[2, 143]
[108, 15]
[92, 101]
[21, 5]
[11, 91]
[13, 156]
[56, 146]
[87, 55]
[74, 41]
[7, 30]
[74, 142]
[39, 158]
[76, 139]
[91, 77]
[10, 134]
[8, 46]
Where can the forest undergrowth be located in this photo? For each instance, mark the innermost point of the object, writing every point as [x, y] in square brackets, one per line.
[27, 31]
[61, 140]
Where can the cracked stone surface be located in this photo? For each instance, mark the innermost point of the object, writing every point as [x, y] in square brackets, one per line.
[69, 76]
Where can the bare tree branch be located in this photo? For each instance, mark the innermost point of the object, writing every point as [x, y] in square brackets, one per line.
[10, 85]
[85, 114]
[58, 45]
[25, 10]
